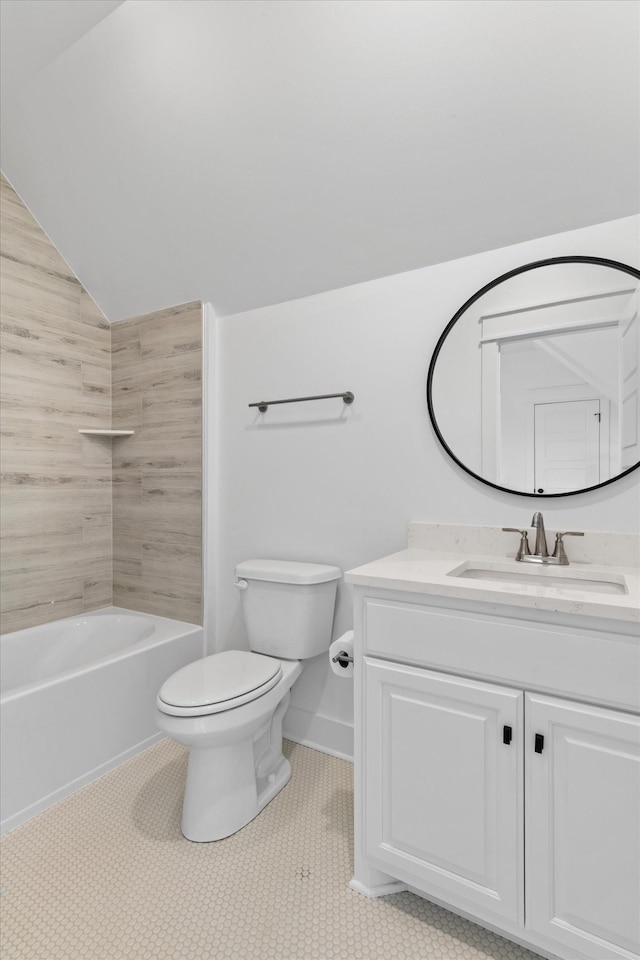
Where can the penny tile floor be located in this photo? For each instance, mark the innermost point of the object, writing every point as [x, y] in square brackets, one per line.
[107, 875]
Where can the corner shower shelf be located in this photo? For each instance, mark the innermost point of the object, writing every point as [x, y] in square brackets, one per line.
[108, 433]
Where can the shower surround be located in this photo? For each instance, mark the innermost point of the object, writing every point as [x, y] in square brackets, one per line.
[77, 531]
[157, 473]
[56, 379]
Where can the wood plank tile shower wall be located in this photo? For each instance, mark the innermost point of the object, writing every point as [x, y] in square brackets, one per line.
[56, 554]
[157, 391]
[55, 379]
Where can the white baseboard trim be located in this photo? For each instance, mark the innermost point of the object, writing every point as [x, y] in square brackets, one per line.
[321, 733]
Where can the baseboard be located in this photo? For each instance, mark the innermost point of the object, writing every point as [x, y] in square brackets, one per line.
[321, 733]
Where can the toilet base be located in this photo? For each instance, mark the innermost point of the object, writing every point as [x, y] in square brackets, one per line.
[228, 786]
[208, 821]
[275, 784]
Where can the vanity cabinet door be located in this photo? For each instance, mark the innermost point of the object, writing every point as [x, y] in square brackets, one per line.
[443, 786]
[583, 826]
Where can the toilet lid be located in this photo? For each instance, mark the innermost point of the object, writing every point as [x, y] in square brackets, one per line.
[229, 676]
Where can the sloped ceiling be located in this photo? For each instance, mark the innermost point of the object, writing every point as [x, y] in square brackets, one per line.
[255, 151]
[35, 32]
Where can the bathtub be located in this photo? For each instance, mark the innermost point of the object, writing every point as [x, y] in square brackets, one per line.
[78, 698]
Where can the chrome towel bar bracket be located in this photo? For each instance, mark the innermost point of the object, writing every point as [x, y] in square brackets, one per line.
[263, 405]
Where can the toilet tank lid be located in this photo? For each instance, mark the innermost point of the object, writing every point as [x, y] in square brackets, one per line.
[287, 571]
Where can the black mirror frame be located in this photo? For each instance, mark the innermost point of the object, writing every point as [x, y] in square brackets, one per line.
[600, 261]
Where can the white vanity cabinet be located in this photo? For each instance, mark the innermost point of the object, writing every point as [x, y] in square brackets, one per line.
[582, 799]
[443, 789]
[496, 773]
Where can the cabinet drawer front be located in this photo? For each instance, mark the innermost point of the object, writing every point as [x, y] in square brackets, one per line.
[443, 782]
[587, 665]
[583, 826]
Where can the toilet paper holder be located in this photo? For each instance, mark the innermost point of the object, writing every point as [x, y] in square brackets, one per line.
[342, 658]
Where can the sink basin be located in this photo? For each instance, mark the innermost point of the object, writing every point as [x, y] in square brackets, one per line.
[560, 578]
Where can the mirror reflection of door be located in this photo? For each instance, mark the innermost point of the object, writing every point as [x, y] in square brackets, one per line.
[555, 376]
[566, 445]
[553, 353]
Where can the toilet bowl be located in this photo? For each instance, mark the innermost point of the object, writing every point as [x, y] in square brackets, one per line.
[228, 708]
[236, 765]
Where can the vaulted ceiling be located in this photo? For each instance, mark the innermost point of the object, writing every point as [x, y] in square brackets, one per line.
[254, 151]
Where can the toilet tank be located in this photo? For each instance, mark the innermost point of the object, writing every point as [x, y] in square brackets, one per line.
[288, 606]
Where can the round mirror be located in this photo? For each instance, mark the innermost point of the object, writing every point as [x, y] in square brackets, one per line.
[534, 385]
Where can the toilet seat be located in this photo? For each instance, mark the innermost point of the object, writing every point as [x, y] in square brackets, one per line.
[218, 683]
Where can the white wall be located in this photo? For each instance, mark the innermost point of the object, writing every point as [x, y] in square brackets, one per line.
[339, 484]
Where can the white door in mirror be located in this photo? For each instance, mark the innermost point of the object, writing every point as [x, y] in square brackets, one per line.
[567, 446]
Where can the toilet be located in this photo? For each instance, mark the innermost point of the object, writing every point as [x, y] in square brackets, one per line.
[228, 708]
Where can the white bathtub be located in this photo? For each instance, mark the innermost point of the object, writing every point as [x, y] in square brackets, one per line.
[78, 698]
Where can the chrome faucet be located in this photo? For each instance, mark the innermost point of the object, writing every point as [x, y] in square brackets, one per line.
[540, 551]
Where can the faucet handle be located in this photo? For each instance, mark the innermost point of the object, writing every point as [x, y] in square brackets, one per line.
[523, 550]
[559, 551]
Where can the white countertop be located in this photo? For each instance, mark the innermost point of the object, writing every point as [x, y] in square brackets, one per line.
[428, 572]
